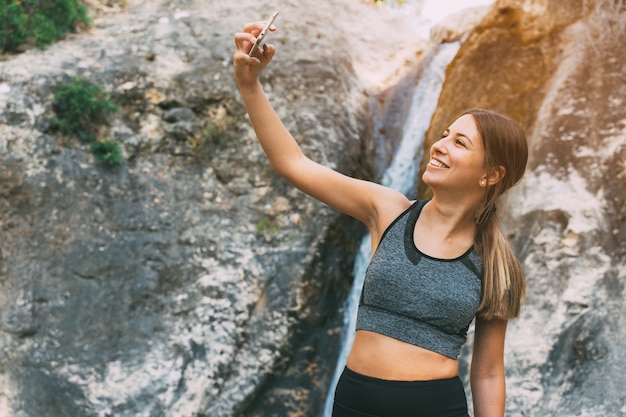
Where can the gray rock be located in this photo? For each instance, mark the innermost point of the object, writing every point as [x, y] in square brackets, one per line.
[193, 281]
[178, 114]
[190, 280]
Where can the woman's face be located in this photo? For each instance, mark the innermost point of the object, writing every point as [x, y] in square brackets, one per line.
[457, 159]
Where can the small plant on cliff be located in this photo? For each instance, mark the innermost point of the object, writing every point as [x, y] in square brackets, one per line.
[266, 226]
[41, 22]
[214, 133]
[12, 26]
[81, 108]
[109, 152]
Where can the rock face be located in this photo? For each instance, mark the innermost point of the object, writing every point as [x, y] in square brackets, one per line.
[559, 69]
[192, 281]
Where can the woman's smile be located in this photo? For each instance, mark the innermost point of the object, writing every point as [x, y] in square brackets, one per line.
[437, 163]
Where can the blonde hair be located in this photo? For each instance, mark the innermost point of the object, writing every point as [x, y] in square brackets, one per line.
[503, 280]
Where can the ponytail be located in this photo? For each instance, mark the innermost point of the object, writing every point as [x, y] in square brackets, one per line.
[503, 280]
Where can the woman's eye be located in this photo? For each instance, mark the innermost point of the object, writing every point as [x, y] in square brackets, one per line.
[460, 142]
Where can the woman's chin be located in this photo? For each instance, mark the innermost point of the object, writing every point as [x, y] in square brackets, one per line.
[427, 178]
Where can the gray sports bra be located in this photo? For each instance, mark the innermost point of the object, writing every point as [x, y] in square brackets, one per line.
[418, 299]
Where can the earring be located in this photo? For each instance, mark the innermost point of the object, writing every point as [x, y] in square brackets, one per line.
[483, 182]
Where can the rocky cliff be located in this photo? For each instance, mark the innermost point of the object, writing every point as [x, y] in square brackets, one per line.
[192, 281]
[559, 69]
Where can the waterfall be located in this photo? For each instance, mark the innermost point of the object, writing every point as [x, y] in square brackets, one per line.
[400, 175]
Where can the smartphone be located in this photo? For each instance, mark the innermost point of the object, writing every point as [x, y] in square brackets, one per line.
[260, 40]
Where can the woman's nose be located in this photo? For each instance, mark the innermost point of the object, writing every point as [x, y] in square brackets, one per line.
[440, 146]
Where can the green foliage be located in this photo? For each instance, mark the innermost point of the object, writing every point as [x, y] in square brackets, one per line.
[266, 226]
[81, 108]
[109, 152]
[214, 133]
[12, 26]
[42, 21]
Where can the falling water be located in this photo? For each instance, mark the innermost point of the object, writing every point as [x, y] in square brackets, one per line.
[400, 175]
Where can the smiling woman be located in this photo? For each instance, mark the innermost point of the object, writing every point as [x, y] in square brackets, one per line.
[435, 265]
[491, 152]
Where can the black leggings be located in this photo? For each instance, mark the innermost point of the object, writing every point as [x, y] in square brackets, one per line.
[359, 395]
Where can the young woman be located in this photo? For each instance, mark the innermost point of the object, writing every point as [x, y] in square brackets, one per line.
[436, 265]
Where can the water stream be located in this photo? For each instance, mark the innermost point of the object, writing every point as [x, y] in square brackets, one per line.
[400, 175]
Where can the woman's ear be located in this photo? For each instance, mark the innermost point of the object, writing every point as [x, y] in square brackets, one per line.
[496, 175]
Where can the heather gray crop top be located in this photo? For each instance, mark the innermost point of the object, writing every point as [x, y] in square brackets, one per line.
[418, 299]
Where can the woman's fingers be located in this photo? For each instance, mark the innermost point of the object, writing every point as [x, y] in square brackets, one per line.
[245, 40]
[268, 52]
[246, 67]
[242, 58]
[256, 26]
[241, 39]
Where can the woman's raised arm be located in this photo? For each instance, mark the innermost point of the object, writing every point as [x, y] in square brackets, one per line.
[360, 199]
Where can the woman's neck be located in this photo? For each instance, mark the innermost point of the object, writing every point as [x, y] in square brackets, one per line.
[449, 218]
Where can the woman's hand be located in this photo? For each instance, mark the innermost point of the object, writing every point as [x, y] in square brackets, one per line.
[247, 68]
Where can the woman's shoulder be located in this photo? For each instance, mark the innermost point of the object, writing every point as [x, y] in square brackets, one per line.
[388, 208]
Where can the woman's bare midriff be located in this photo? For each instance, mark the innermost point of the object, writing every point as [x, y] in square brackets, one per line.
[383, 357]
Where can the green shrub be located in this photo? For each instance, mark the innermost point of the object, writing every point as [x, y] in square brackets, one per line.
[12, 26]
[42, 21]
[217, 132]
[81, 108]
[266, 226]
[109, 152]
